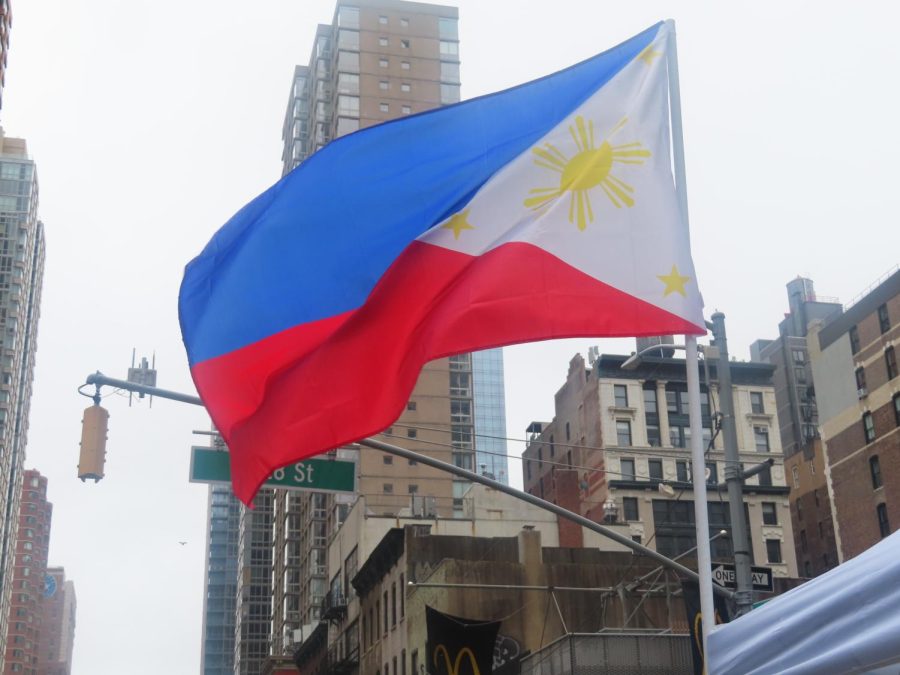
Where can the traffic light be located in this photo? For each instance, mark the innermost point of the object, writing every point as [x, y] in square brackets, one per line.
[93, 443]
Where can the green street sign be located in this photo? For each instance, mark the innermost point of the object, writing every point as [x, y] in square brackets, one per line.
[313, 475]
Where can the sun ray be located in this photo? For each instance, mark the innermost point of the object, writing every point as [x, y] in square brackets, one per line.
[582, 134]
[617, 188]
[549, 157]
[591, 125]
[618, 154]
[575, 138]
[611, 196]
[587, 201]
[552, 167]
[541, 200]
[552, 148]
[554, 190]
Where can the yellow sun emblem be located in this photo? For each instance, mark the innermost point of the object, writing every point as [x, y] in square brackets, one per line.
[590, 167]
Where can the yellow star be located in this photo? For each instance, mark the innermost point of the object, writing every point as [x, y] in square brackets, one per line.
[458, 223]
[648, 55]
[674, 282]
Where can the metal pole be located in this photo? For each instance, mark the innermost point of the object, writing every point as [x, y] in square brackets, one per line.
[743, 595]
[100, 380]
[701, 514]
[548, 506]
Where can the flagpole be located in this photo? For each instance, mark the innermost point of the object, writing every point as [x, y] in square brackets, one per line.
[701, 513]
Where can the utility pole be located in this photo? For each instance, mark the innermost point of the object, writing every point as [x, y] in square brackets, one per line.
[743, 595]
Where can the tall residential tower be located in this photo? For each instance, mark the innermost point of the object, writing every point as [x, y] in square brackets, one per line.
[21, 275]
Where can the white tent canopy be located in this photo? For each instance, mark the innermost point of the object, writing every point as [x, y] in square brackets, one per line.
[845, 621]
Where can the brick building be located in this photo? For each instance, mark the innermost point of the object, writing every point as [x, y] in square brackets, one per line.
[58, 623]
[855, 367]
[24, 631]
[798, 420]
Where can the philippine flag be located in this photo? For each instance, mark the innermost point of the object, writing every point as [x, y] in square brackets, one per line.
[544, 211]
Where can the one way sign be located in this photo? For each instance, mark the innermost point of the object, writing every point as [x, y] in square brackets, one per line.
[724, 575]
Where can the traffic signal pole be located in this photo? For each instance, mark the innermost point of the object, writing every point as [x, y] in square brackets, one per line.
[99, 379]
[743, 596]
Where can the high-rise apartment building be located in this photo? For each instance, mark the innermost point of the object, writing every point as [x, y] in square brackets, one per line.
[798, 419]
[855, 365]
[58, 625]
[253, 611]
[21, 276]
[220, 599]
[618, 451]
[380, 60]
[24, 627]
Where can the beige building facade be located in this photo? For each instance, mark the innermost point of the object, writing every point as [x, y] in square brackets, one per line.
[618, 450]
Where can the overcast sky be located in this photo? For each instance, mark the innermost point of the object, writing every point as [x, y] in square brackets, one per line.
[153, 122]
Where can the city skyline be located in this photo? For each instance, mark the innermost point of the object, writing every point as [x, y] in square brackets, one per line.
[143, 167]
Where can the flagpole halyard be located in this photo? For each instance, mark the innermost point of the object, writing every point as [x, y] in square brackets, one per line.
[701, 513]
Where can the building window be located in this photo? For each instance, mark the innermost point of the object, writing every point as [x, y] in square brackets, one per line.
[384, 85]
[388, 488]
[403, 662]
[404, 23]
[411, 433]
[650, 407]
[348, 17]
[654, 440]
[393, 604]
[404, 44]
[868, 427]
[630, 509]
[413, 489]
[681, 472]
[656, 469]
[761, 438]
[897, 409]
[348, 62]
[769, 513]
[854, 340]
[795, 472]
[626, 469]
[861, 382]
[383, 63]
[799, 356]
[410, 405]
[552, 446]
[623, 433]
[713, 473]
[414, 662]
[382, 20]
[620, 392]
[382, 42]
[875, 470]
[404, 65]
[348, 39]
[402, 597]
[448, 29]
[449, 93]
[405, 109]
[568, 432]
[773, 550]
[756, 403]
[890, 362]
[385, 607]
[405, 86]
[449, 48]
[804, 544]
[884, 321]
[449, 72]
[884, 527]
[388, 459]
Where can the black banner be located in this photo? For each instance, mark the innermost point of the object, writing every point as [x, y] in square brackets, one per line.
[459, 646]
[694, 616]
